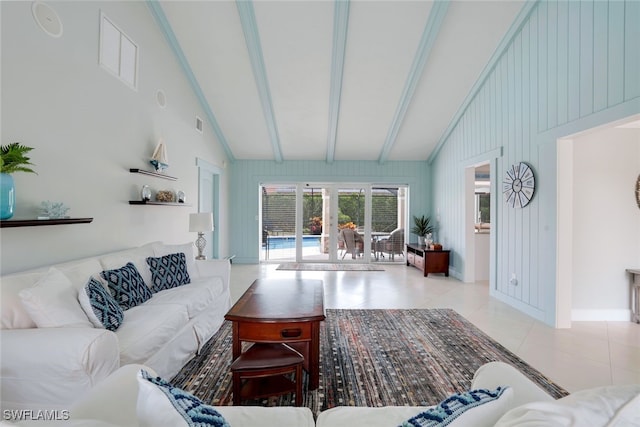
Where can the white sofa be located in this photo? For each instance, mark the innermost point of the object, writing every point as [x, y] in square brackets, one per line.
[527, 405]
[51, 367]
[122, 400]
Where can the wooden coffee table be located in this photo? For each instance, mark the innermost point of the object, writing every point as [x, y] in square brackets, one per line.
[282, 310]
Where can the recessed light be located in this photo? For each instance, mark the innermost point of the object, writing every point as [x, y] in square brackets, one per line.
[161, 98]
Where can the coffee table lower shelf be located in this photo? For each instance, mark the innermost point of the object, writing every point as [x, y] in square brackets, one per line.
[266, 387]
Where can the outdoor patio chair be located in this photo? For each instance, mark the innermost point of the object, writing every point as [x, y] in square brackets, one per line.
[353, 242]
[393, 245]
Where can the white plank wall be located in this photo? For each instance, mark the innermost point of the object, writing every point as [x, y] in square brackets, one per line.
[568, 62]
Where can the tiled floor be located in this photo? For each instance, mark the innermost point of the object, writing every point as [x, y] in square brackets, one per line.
[589, 354]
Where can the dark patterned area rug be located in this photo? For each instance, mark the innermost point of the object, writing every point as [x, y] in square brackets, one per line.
[316, 266]
[373, 358]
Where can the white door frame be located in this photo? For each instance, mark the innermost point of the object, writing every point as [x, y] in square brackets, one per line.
[208, 172]
[491, 157]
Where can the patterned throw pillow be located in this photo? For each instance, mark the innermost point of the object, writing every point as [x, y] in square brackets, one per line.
[99, 305]
[168, 271]
[127, 286]
[479, 407]
[162, 405]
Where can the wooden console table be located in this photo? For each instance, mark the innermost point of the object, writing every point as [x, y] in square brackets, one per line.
[429, 261]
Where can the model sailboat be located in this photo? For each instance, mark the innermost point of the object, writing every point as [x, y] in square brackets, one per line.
[159, 159]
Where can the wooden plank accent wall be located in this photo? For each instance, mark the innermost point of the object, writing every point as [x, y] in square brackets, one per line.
[247, 175]
[571, 65]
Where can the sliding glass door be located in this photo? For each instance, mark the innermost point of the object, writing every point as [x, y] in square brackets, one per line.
[278, 237]
[388, 220]
[314, 222]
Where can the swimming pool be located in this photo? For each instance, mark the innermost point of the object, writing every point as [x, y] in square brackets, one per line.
[289, 242]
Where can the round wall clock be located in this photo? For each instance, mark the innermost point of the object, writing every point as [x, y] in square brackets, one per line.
[518, 185]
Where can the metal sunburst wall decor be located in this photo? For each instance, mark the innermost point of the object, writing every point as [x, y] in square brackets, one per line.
[519, 185]
[638, 191]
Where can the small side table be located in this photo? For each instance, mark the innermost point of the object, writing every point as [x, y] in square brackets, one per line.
[635, 293]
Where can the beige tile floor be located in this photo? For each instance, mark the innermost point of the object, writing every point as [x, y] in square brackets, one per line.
[590, 354]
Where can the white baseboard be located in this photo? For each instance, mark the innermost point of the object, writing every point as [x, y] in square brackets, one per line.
[613, 315]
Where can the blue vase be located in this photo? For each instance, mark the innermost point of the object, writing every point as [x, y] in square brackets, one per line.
[7, 196]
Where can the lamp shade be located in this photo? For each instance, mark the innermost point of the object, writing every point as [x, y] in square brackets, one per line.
[201, 222]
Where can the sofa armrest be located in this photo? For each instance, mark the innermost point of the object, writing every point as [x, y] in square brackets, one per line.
[494, 374]
[215, 267]
[113, 400]
[49, 368]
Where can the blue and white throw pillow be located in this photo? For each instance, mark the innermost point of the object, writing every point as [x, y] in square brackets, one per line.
[168, 271]
[479, 407]
[127, 286]
[100, 307]
[162, 405]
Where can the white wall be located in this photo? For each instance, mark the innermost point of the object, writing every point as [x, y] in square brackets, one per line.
[87, 129]
[482, 259]
[606, 223]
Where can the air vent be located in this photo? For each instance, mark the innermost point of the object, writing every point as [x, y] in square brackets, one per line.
[199, 124]
[118, 53]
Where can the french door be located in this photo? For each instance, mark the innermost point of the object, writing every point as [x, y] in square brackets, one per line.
[326, 210]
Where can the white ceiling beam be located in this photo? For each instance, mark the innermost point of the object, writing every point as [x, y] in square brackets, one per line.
[429, 36]
[252, 39]
[165, 27]
[340, 26]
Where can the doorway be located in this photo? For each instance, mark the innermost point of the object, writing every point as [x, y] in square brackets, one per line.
[480, 215]
[598, 227]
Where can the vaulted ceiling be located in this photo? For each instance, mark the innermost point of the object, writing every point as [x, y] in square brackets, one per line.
[333, 80]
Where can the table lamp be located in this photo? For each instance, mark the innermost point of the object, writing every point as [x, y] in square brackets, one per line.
[201, 223]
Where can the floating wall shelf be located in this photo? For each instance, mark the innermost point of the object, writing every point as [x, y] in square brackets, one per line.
[156, 174]
[142, 202]
[38, 222]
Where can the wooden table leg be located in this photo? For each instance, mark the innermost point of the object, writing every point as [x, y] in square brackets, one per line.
[314, 357]
[236, 345]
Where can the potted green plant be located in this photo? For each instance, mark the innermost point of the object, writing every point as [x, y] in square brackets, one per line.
[421, 227]
[13, 158]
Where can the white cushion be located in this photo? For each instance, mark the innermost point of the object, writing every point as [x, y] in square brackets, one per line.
[602, 406]
[257, 416]
[350, 416]
[146, 328]
[137, 256]
[79, 272]
[13, 312]
[162, 405]
[53, 302]
[196, 296]
[186, 248]
[494, 374]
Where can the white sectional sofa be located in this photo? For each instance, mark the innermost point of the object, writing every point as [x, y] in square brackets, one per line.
[51, 351]
[126, 400]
